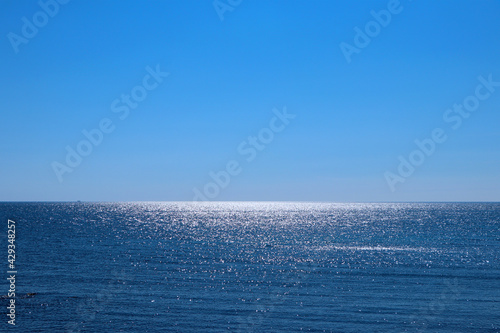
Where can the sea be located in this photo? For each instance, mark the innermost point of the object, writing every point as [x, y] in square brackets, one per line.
[251, 267]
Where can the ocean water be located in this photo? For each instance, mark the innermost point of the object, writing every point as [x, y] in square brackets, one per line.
[254, 267]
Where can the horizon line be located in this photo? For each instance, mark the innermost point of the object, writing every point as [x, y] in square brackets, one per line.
[237, 201]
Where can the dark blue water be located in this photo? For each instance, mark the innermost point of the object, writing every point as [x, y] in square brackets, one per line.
[254, 267]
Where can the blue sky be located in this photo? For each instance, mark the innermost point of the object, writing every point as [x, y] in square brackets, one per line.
[352, 119]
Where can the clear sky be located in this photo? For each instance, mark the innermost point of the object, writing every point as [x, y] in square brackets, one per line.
[361, 91]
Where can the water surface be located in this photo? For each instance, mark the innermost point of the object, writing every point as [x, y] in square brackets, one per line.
[256, 267]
